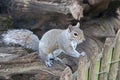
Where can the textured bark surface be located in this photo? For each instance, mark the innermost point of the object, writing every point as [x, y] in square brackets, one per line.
[66, 74]
[82, 67]
[27, 64]
[116, 54]
[104, 69]
[40, 6]
[101, 20]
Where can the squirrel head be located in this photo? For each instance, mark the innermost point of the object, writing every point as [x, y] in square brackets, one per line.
[76, 34]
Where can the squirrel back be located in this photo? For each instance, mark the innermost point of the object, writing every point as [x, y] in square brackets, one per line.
[21, 37]
[49, 40]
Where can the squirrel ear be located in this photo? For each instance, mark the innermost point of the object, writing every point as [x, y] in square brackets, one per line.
[77, 25]
[70, 28]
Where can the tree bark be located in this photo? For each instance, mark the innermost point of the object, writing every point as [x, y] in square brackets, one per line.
[66, 74]
[26, 63]
[38, 6]
[82, 67]
[115, 59]
[104, 69]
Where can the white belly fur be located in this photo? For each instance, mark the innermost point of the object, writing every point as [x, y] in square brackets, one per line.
[74, 44]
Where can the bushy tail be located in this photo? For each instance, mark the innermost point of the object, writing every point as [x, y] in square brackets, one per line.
[21, 37]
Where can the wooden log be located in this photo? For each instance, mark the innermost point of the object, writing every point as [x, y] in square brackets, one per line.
[66, 74]
[39, 6]
[118, 74]
[106, 58]
[6, 70]
[93, 51]
[25, 63]
[115, 58]
[82, 67]
[92, 71]
[93, 48]
[4, 57]
[100, 28]
[119, 71]
[15, 55]
[17, 59]
[13, 50]
[97, 7]
[95, 57]
[94, 2]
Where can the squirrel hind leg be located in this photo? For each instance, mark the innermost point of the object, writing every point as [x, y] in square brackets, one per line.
[47, 60]
[58, 59]
[56, 53]
[49, 57]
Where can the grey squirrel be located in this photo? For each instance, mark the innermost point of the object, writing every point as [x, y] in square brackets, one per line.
[56, 41]
[21, 37]
[52, 43]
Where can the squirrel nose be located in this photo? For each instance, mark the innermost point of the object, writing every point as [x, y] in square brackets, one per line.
[83, 38]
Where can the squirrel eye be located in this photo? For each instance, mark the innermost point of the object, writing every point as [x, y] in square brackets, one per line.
[75, 34]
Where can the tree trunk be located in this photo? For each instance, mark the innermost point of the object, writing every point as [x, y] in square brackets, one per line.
[40, 6]
[106, 58]
[82, 68]
[115, 59]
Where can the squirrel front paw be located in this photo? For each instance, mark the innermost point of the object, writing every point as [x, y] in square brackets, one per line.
[48, 63]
